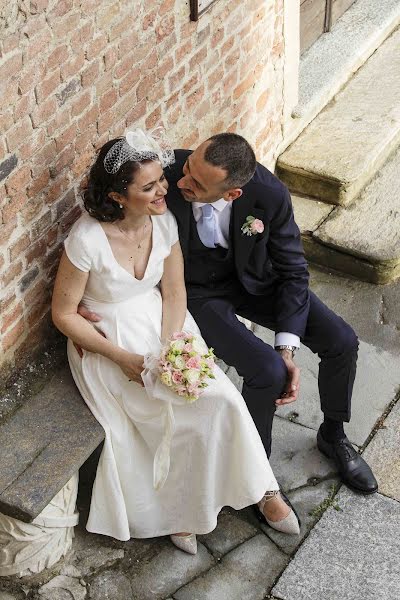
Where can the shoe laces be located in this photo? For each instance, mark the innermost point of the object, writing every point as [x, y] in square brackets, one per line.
[346, 449]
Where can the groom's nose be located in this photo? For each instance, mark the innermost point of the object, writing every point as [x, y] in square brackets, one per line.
[184, 183]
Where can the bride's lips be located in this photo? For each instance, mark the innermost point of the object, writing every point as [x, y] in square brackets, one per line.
[159, 201]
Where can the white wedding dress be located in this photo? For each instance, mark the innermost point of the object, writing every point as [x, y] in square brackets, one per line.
[216, 455]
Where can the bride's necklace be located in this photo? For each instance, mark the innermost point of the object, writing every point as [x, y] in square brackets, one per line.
[130, 239]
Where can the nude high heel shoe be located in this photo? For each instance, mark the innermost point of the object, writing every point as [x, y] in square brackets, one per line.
[288, 524]
[187, 543]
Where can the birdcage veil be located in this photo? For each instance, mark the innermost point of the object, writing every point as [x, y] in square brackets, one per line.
[138, 145]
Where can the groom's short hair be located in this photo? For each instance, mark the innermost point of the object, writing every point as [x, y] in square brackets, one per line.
[233, 153]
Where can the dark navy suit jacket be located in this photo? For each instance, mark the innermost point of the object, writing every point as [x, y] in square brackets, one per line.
[270, 264]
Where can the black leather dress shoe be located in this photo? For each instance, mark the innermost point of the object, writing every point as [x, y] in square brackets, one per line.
[352, 468]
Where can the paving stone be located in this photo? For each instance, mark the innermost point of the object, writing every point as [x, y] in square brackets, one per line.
[247, 572]
[344, 146]
[229, 533]
[92, 552]
[7, 596]
[309, 213]
[372, 310]
[327, 65]
[295, 458]
[351, 554]
[110, 585]
[304, 501]
[375, 387]
[348, 229]
[382, 455]
[170, 569]
[63, 588]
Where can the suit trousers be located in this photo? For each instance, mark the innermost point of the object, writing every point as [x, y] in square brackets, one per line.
[262, 368]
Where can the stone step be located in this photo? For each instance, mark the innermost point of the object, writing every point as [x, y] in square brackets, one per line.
[342, 149]
[362, 239]
[334, 58]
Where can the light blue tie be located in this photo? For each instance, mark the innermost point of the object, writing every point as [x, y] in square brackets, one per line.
[206, 226]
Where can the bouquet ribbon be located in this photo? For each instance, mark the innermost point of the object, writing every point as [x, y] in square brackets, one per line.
[156, 389]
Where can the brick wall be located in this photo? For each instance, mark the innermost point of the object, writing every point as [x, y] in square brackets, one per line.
[74, 73]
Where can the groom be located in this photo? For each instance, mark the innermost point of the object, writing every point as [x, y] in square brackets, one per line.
[243, 255]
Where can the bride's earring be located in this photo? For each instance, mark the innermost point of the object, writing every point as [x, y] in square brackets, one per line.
[120, 206]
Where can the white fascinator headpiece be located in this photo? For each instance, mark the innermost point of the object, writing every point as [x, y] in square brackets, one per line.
[138, 145]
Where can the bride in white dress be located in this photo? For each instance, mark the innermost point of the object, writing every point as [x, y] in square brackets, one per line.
[123, 261]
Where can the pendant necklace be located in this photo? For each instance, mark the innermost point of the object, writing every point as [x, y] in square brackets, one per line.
[130, 239]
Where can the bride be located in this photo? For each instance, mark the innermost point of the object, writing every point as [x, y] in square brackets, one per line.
[123, 261]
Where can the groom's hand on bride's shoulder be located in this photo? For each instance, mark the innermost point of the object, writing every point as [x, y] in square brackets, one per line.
[292, 386]
[89, 316]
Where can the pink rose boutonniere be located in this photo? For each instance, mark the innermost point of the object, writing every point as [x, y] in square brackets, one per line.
[252, 226]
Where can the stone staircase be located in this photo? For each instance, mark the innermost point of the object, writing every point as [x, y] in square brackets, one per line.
[343, 169]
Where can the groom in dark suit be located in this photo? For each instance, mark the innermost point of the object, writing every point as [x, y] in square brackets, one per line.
[243, 255]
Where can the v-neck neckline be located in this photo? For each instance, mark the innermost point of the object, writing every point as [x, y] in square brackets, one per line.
[150, 255]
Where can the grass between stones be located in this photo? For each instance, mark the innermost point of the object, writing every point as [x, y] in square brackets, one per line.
[331, 500]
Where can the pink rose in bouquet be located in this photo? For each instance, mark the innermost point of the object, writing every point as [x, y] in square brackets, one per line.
[185, 365]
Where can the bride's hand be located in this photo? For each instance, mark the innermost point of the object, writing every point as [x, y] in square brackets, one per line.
[132, 366]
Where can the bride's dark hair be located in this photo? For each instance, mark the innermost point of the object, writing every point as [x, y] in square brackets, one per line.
[100, 183]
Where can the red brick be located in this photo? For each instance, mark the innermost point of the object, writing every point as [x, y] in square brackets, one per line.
[57, 57]
[36, 251]
[90, 74]
[44, 89]
[165, 67]
[105, 121]
[42, 113]
[10, 317]
[81, 103]
[38, 46]
[191, 140]
[214, 78]
[108, 100]
[65, 25]
[154, 118]
[183, 52]
[41, 226]
[60, 120]
[11, 68]
[56, 189]
[18, 134]
[65, 137]
[62, 7]
[83, 33]
[145, 86]
[52, 235]
[31, 210]
[110, 57]
[45, 154]
[12, 272]
[13, 207]
[232, 59]
[6, 231]
[103, 83]
[96, 46]
[24, 106]
[176, 79]
[165, 28]
[166, 6]
[197, 59]
[88, 118]
[39, 183]
[72, 67]
[125, 65]
[189, 85]
[195, 98]
[11, 338]
[39, 289]
[18, 180]
[262, 100]
[6, 120]
[149, 19]
[38, 309]
[137, 112]
[244, 86]
[217, 37]
[129, 82]
[6, 302]
[203, 110]
[11, 42]
[64, 158]
[82, 163]
[105, 16]
[19, 246]
[150, 62]
[70, 218]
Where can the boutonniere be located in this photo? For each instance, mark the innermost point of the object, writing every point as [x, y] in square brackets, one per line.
[252, 226]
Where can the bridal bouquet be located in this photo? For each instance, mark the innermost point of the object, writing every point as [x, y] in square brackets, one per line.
[185, 365]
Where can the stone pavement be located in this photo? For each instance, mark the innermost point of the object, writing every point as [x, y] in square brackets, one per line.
[349, 544]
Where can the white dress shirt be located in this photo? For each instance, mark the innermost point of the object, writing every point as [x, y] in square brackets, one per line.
[222, 214]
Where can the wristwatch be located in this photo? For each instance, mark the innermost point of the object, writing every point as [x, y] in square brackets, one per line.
[292, 349]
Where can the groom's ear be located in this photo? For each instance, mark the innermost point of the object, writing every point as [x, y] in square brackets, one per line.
[231, 195]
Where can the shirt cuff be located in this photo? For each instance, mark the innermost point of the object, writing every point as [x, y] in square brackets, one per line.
[287, 339]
